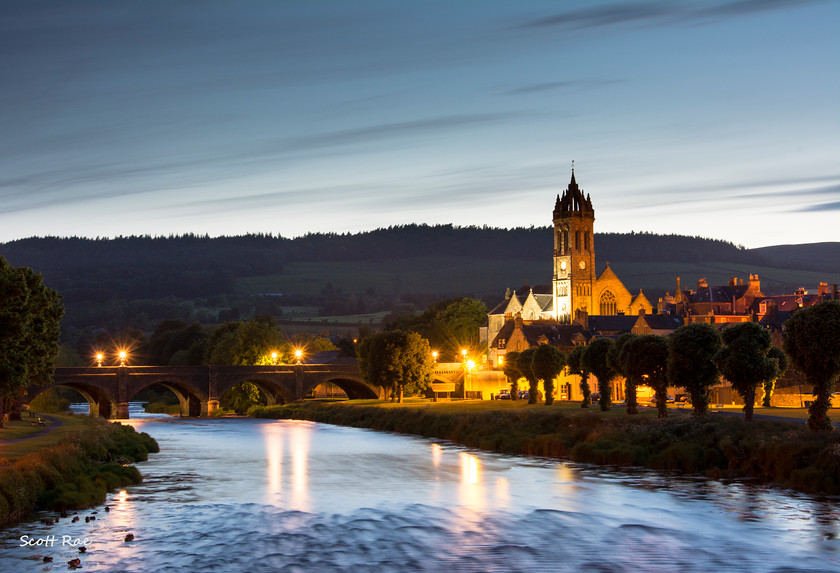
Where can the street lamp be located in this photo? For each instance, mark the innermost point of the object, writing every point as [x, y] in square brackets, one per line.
[434, 355]
[464, 354]
[274, 358]
[298, 354]
[99, 357]
[122, 354]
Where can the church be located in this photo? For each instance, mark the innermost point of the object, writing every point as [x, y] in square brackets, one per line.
[559, 313]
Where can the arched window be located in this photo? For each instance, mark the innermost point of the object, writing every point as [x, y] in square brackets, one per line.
[607, 303]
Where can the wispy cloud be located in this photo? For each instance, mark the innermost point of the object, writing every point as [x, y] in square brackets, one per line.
[657, 13]
[548, 86]
[832, 206]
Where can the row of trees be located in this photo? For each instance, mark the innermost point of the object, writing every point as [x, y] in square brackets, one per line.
[695, 357]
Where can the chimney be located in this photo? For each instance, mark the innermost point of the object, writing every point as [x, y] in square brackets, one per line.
[823, 288]
[755, 284]
[733, 281]
[507, 293]
[518, 323]
[702, 283]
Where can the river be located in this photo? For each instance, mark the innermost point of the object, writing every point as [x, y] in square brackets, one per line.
[264, 495]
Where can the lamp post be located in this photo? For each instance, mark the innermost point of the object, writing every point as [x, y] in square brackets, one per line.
[99, 357]
[434, 355]
[122, 354]
[274, 358]
[298, 354]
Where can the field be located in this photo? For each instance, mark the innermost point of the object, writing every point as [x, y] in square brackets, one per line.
[452, 276]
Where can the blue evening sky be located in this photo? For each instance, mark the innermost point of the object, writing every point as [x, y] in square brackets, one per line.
[714, 118]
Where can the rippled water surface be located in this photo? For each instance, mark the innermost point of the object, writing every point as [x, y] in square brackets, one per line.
[261, 495]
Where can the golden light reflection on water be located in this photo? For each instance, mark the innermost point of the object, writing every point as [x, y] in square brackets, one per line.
[471, 491]
[287, 448]
[437, 453]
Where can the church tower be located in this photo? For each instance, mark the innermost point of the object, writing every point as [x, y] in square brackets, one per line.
[574, 253]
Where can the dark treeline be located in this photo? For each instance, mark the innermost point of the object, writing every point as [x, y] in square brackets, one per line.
[138, 280]
[260, 254]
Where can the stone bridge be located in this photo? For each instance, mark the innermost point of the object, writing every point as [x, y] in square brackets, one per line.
[109, 389]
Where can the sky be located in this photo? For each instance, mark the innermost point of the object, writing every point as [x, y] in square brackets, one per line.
[715, 118]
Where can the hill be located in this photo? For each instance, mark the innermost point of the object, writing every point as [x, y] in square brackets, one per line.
[136, 282]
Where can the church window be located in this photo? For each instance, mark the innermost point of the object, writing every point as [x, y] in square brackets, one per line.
[577, 240]
[586, 241]
[607, 303]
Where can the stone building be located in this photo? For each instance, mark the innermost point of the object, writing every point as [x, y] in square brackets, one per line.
[576, 290]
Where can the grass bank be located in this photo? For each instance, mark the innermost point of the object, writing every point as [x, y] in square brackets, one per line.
[77, 472]
[716, 446]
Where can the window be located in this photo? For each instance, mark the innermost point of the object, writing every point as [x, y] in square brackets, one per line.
[607, 303]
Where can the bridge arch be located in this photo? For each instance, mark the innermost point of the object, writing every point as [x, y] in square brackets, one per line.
[192, 401]
[356, 387]
[100, 402]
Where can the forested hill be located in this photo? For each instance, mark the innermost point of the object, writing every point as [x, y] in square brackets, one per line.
[139, 281]
[265, 254]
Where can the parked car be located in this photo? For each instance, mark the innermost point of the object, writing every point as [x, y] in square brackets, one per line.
[503, 395]
[594, 397]
[523, 395]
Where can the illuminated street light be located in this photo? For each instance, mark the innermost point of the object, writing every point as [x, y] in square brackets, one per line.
[123, 355]
[274, 358]
[434, 355]
[298, 354]
[470, 364]
[464, 353]
[99, 357]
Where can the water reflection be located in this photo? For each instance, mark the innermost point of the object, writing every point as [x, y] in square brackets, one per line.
[287, 446]
[261, 495]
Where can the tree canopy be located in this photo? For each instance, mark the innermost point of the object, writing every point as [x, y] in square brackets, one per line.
[546, 363]
[645, 358]
[812, 342]
[577, 368]
[400, 361]
[595, 361]
[745, 360]
[692, 349]
[512, 373]
[617, 359]
[524, 363]
[30, 320]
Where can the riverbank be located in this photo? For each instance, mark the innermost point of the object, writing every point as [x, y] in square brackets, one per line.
[720, 447]
[77, 472]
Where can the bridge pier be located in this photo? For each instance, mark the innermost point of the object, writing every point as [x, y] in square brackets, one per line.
[208, 407]
[122, 411]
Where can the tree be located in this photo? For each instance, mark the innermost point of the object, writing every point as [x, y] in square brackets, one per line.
[512, 373]
[812, 342]
[595, 361]
[645, 358]
[690, 362]
[398, 361]
[249, 343]
[523, 362]
[576, 367]
[449, 325]
[616, 359]
[744, 360]
[30, 319]
[770, 385]
[547, 362]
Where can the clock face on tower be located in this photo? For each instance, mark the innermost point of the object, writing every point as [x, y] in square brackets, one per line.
[563, 265]
[582, 265]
